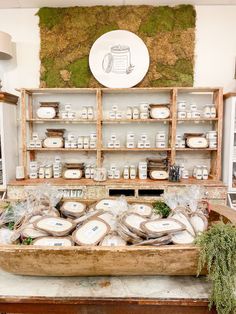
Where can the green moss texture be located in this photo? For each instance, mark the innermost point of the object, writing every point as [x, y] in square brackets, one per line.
[67, 34]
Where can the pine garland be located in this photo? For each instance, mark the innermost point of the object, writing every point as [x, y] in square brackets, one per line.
[218, 253]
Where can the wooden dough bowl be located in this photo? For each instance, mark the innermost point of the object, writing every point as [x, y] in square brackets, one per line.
[100, 261]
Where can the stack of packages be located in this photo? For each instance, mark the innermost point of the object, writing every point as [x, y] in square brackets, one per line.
[54, 138]
[157, 168]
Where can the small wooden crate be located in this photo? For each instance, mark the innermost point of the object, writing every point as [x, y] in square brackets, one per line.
[101, 261]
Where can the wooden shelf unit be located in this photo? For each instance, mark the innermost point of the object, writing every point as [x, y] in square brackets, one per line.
[28, 120]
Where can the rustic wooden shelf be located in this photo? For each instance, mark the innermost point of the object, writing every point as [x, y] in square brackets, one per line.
[198, 119]
[36, 120]
[124, 149]
[196, 149]
[62, 149]
[115, 182]
[109, 121]
[173, 94]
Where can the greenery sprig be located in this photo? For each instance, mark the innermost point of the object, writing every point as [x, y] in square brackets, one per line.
[218, 253]
[162, 209]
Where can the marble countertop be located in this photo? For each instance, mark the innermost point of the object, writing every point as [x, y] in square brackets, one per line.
[153, 287]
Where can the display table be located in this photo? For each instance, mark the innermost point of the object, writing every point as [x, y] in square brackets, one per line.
[103, 295]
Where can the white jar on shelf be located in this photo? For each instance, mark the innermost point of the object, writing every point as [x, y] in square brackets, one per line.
[133, 172]
[129, 113]
[207, 111]
[181, 105]
[112, 115]
[84, 114]
[185, 174]
[126, 172]
[193, 107]
[143, 107]
[90, 113]
[144, 115]
[182, 114]
[199, 173]
[48, 172]
[88, 172]
[204, 173]
[213, 111]
[196, 114]
[135, 113]
[117, 174]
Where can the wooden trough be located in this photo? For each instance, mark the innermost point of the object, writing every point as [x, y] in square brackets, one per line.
[101, 261]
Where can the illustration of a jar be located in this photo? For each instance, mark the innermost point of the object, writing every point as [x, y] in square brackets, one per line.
[118, 61]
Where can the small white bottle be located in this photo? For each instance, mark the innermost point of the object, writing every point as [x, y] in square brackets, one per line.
[84, 112]
[41, 172]
[213, 111]
[88, 172]
[204, 173]
[199, 173]
[129, 113]
[135, 113]
[133, 172]
[92, 172]
[90, 113]
[126, 172]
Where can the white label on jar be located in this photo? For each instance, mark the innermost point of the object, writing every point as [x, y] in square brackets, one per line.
[144, 115]
[181, 114]
[114, 107]
[117, 144]
[113, 137]
[110, 145]
[67, 107]
[160, 144]
[135, 116]
[130, 144]
[118, 115]
[144, 137]
[141, 145]
[71, 115]
[112, 115]
[84, 115]
[160, 136]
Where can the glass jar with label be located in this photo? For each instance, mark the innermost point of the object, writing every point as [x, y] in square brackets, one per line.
[129, 113]
[207, 111]
[199, 173]
[133, 172]
[126, 172]
[88, 172]
[181, 105]
[204, 173]
[92, 167]
[213, 111]
[90, 113]
[48, 172]
[135, 113]
[84, 114]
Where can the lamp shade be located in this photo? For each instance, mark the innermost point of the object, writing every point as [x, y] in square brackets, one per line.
[5, 46]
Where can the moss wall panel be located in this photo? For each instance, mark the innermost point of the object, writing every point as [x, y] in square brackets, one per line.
[67, 35]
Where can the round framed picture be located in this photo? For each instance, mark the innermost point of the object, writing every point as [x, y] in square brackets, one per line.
[119, 59]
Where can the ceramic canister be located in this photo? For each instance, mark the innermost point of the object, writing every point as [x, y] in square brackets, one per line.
[181, 105]
[160, 136]
[182, 114]
[144, 107]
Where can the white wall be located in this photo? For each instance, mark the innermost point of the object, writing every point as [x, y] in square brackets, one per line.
[23, 70]
[215, 47]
